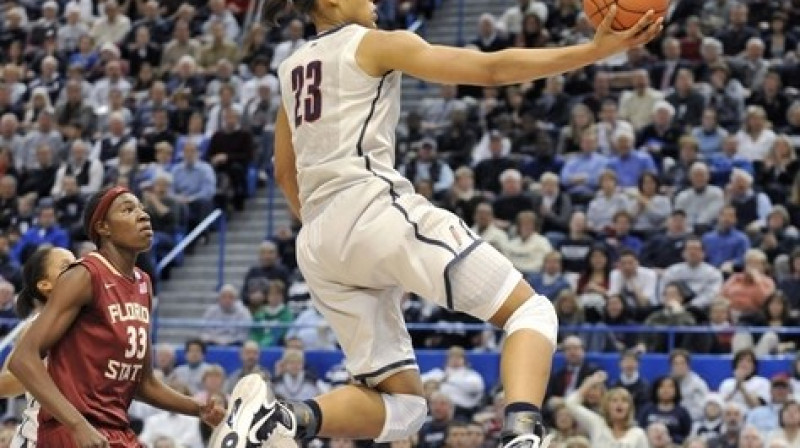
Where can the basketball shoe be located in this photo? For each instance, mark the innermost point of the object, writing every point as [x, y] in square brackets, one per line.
[524, 429]
[255, 418]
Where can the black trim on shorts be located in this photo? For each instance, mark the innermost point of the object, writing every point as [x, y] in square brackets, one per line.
[447, 286]
[468, 230]
[395, 365]
[404, 212]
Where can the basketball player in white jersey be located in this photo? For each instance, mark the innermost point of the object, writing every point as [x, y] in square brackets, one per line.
[39, 274]
[367, 238]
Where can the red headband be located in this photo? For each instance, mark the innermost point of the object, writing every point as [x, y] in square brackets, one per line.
[102, 209]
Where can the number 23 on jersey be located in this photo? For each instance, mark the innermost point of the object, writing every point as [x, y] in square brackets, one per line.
[306, 80]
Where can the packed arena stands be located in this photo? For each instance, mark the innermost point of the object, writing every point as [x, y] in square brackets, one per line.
[656, 188]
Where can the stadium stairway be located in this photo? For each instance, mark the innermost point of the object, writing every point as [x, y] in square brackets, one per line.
[443, 29]
[192, 286]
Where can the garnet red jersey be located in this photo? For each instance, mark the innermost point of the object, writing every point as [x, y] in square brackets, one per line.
[98, 363]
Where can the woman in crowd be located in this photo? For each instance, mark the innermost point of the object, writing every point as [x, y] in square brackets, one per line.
[652, 208]
[745, 387]
[614, 425]
[778, 169]
[789, 421]
[693, 388]
[665, 407]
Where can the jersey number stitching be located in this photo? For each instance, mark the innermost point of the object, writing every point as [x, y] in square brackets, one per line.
[312, 102]
[137, 346]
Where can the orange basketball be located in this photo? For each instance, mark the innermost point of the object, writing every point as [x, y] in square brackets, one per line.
[628, 11]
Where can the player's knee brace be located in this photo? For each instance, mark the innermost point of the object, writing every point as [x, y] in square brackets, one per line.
[405, 415]
[537, 314]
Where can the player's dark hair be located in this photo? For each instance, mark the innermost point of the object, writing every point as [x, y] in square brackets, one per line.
[88, 212]
[274, 8]
[34, 270]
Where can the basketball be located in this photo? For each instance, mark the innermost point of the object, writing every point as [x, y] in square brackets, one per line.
[628, 11]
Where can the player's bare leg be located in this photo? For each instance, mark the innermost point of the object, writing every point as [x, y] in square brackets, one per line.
[524, 371]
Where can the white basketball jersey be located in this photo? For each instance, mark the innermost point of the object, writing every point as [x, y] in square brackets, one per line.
[342, 119]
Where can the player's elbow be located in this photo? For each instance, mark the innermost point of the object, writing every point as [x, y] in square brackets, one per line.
[17, 363]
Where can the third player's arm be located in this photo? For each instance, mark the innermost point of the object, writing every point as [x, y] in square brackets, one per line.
[383, 51]
[10, 386]
[74, 292]
[285, 167]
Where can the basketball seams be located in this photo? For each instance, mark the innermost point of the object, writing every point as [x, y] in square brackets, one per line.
[606, 5]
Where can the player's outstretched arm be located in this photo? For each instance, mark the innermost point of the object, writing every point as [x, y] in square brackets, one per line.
[73, 293]
[154, 392]
[285, 166]
[383, 51]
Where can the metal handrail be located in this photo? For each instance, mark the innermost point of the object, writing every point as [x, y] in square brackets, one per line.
[208, 221]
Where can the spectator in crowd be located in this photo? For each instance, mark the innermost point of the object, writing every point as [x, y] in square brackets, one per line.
[69, 208]
[488, 171]
[86, 170]
[581, 173]
[526, 250]
[487, 230]
[555, 208]
[427, 166]
[512, 199]
[702, 202]
[709, 426]
[665, 408]
[636, 106]
[746, 387]
[658, 436]
[463, 198]
[610, 123]
[663, 250]
[660, 137]
[194, 184]
[750, 206]
[593, 281]
[755, 138]
[550, 282]
[789, 421]
[249, 355]
[231, 152]
[619, 238]
[293, 382]
[269, 266]
[433, 431]
[651, 208]
[45, 231]
[608, 202]
[702, 279]
[751, 438]
[178, 427]
[462, 384]
[634, 283]
[489, 37]
[693, 388]
[726, 244]
[268, 306]
[575, 371]
[628, 163]
[45, 133]
[576, 246]
[565, 426]
[294, 41]
[723, 163]
[191, 373]
[631, 380]
[226, 319]
[767, 418]
[219, 13]
[790, 285]
[709, 133]
[733, 423]
[689, 104]
[673, 314]
[748, 290]
[778, 170]
[615, 424]
[165, 359]
[165, 214]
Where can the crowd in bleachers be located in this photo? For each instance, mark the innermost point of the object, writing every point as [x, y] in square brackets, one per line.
[657, 187]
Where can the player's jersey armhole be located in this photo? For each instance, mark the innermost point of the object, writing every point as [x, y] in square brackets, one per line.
[351, 49]
[82, 263]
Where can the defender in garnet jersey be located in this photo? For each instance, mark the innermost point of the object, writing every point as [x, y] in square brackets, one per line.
[95, 331]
